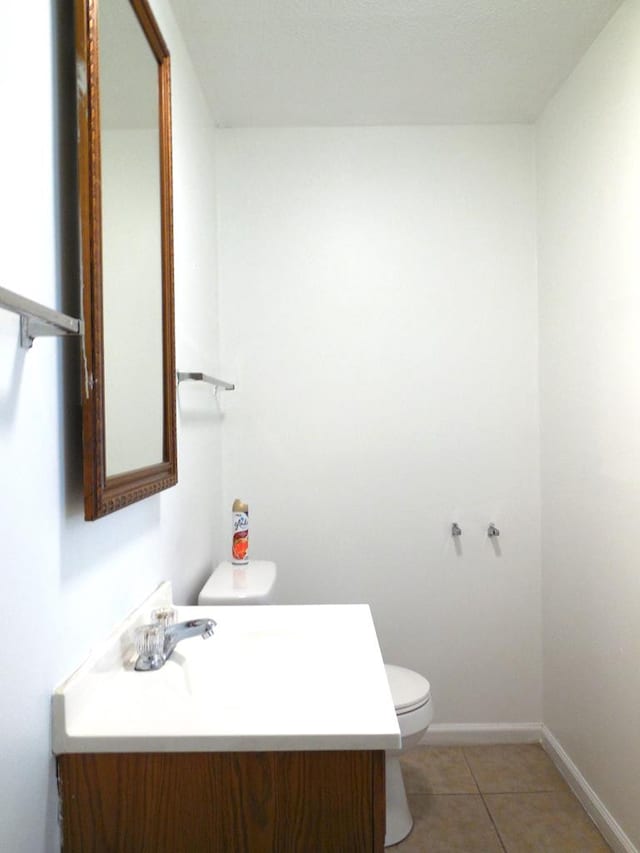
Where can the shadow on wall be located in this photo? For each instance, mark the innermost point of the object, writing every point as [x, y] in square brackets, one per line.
[68, 277]
[10, 391]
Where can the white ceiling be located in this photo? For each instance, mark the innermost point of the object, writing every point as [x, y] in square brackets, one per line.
[370, 62]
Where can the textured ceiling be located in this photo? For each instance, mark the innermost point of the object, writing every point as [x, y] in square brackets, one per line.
[370, 62]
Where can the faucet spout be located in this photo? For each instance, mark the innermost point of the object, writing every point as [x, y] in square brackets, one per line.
[174, 634]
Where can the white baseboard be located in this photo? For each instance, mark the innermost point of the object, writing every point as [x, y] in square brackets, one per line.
[613, 833]
[473, 734]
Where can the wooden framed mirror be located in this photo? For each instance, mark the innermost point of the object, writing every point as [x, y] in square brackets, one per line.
[125, 188]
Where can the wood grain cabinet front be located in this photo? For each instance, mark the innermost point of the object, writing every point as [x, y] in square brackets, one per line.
[223, 802]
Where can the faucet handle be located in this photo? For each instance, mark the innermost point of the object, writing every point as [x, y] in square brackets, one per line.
[150, 646]
[165, 616]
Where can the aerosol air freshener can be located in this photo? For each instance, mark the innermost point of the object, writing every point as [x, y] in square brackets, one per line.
[240, 543]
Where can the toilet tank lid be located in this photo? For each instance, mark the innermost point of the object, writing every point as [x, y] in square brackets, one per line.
[408, 688]
[233, 582]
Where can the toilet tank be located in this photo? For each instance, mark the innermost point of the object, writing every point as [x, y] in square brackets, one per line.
[252, 583]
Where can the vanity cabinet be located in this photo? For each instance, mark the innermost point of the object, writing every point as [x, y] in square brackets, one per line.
[268, 738]
[223, 802]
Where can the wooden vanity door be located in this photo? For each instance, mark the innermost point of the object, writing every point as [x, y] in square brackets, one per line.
[224, 802]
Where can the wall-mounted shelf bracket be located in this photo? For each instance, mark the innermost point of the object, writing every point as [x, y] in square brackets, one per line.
[37, 320]
[203, 377]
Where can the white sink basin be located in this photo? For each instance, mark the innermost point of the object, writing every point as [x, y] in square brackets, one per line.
[273, 677]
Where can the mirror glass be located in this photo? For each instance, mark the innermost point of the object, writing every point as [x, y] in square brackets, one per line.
[124, 173]
[131, 241]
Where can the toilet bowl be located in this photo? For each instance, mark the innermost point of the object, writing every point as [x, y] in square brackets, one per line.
[411, 694]
[254, 583]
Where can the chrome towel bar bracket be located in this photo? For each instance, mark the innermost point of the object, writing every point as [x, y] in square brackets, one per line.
[183, 376]
[37, 320]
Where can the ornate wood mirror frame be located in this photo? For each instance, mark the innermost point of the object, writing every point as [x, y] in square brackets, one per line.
[103, 492]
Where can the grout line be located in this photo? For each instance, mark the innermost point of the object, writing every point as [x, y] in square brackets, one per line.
[532, 791]
[484, 803]
[494, 824]
[469, 768]
[444, 794]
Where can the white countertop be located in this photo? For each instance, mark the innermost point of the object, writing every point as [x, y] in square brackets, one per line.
[307, 677]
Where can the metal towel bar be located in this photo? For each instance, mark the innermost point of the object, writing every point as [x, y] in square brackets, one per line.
[37, 320]
[203, 377]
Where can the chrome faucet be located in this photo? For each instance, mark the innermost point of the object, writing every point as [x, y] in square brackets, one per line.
[155, 643]
[174, 634]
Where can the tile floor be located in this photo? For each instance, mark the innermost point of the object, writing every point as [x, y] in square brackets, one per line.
[492, 799]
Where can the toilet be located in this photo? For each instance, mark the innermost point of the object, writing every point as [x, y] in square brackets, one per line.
[254, 583]
[411, 694]
[230, 583]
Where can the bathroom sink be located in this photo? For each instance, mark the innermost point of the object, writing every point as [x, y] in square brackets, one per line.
[275, 662]
[273, 677]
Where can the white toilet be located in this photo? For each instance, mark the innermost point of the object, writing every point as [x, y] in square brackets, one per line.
[411, 695]
[254, 583]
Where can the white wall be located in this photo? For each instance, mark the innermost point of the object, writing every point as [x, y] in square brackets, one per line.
[379, 314]
[589, 234]
[67, 582]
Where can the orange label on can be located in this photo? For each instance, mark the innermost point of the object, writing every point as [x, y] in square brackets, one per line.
[240, 543]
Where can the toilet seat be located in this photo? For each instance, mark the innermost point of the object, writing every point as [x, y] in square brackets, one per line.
[409, 689]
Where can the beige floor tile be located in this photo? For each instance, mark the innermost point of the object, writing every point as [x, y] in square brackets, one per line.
[437, 770]
[452, 823]
[550, 822]
[513, 768]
